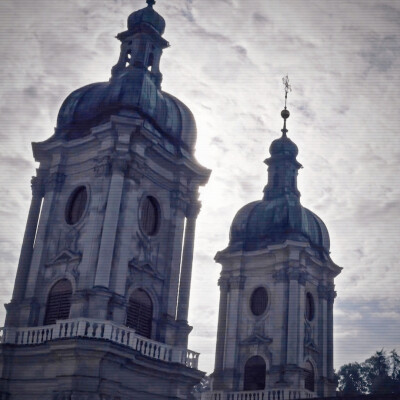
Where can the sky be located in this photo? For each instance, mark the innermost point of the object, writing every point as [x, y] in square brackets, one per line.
[226, 62]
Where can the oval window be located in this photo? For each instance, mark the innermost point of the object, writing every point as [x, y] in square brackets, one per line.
[150, 216]
[76, 205]
[259, 301]
[310, 308]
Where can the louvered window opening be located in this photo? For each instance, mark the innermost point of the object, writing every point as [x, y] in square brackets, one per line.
[58, 302]
[76, 205]
[150, 216]
[309, 378]
[254, 374]
[259, 301]
[140, 313]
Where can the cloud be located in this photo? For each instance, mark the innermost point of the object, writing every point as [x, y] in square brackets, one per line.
[226, 62]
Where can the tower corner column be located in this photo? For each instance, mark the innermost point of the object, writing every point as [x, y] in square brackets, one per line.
[192, 212]
[27, 248]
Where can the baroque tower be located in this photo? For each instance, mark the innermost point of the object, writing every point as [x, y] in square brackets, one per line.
[100, 303]
[275, 328]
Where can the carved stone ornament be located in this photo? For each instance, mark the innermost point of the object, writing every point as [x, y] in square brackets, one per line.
[298, 275]
[237, 282]
[120, 164]
[136, 171]
[256, 339]
[144, 268]
[178, 202]
[147, 251]
[102, 166]
[65, 257]
[37, 187]
[281, 275]
[55, 182]
[323, 292]
[223, 284]
[308, 338]
[193, 209]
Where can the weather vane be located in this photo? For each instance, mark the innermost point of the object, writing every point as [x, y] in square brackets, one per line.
[285, 113]
[288, 88]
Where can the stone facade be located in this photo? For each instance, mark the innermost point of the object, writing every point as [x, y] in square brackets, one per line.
[113, 216]
[275, 329]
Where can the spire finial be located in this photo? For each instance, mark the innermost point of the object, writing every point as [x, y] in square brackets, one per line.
[285, 113]
[150, 3]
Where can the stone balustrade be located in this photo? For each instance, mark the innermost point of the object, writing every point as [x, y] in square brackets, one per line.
[268, 394]
[105, 330]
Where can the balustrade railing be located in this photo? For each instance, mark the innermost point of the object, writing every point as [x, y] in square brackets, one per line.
[105, 330]
[267, 394]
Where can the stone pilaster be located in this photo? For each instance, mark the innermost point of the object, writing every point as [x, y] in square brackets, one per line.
[52, 187]
[293, 329]
[29, 239]
[222, 317]
[187, 261]
[236, 286]
[323, 328]
[331, 299]
[110, 224]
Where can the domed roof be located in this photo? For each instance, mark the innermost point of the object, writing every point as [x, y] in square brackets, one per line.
[133, 89]
[265, 222]
[283, 146]
[147, 16]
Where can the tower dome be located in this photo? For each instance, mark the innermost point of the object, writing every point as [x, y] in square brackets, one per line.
[265, 222]
[148, 16]
[134, 89]
[279, 216]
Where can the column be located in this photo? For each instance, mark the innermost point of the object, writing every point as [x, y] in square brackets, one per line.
[187, 261]
[110, 224]
[323, 328]
[53, 186]
[293, 317]
[331, 299]
[29, 239]
[233, 318]
[178, 208]
[221, 333]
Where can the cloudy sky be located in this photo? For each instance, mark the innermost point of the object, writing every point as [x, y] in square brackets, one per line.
[226, 61]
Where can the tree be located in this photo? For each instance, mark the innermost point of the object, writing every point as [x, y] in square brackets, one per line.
[379, 374]
[351, 379]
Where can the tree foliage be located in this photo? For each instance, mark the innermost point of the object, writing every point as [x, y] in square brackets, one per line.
[379, 374]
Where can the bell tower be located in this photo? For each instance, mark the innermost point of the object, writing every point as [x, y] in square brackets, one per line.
[275, 328]
[106, 261]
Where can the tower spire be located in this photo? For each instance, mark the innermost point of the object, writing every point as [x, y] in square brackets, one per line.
[285, 112]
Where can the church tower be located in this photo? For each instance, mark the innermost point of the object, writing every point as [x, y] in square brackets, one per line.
[275, 328]
[100, 303]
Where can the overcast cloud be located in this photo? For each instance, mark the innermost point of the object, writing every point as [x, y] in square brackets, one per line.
[226, 61]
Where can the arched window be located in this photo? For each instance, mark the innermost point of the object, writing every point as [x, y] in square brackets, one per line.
[58, 302]
[140, 313]
[309, 378]
[150, 216]
[254, 374]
